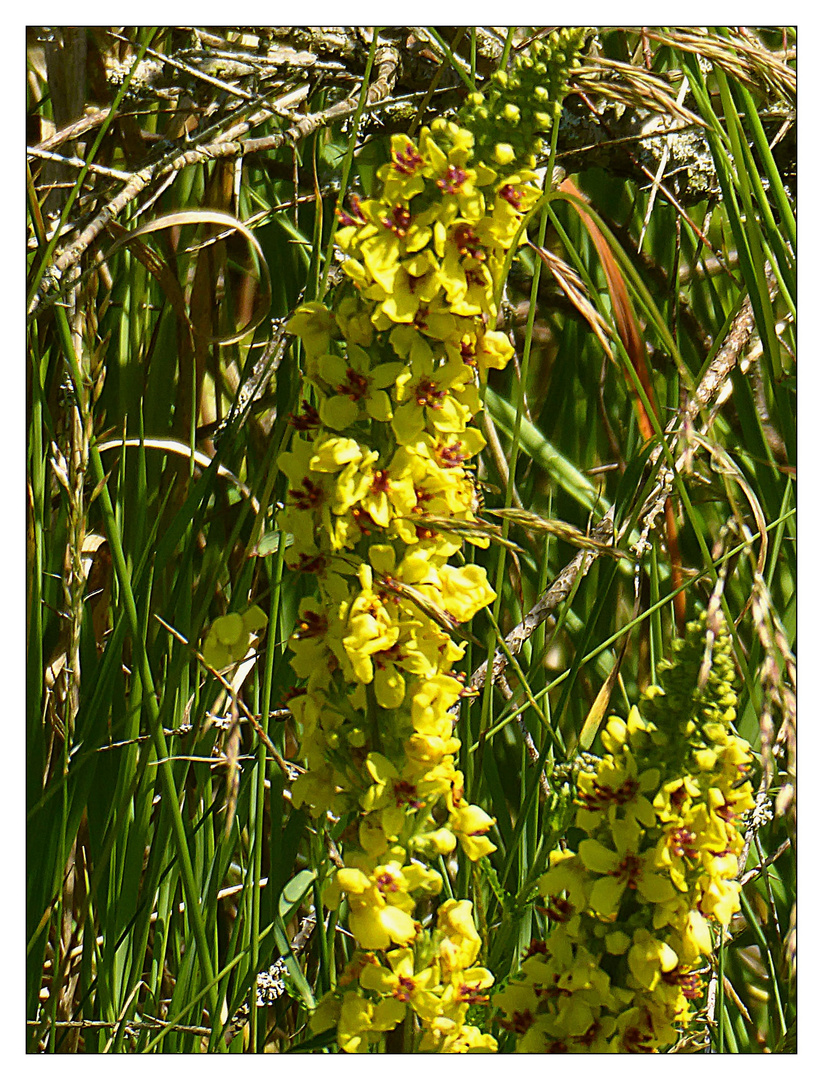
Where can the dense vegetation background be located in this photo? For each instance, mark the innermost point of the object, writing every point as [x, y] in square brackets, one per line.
[182, 186]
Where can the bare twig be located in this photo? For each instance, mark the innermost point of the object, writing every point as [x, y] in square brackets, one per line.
[72, 131]
[77, 163]
[387, 60]
[726, 359]
[131, 1026]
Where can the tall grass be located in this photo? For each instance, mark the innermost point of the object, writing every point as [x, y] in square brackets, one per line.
[166, 865]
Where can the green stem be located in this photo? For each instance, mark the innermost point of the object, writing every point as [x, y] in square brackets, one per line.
[260, 791]
[507, 48]
[467, 80]
[522, 380]
[347, 160]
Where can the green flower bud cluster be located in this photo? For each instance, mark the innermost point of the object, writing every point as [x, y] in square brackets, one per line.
[690, 705]
[633, 903]
[519, 106]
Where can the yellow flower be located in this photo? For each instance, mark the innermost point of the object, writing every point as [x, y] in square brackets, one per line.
[358, 386]
[409, 286]
[430, 704]
[391, 492]
[385, 777]
[457, 181]
[377, 831]
[329, 453]
[622, 869]
[403, 176]
[403, 984]
[327, 476]
[467, 986]
[469, 1040]
[437, 842]
[230, 637]
[371, 629]
[467, 282]
[615, 789]
[354, 1024]
[649, 958]
[410, 344]
[482, 351]
[435, 492]
[311, 640]
[326, 1014]
[520, 1004]
[515, 196]
[459, 941]
[314, 324]
[694, 937]
[720, 899]
[470, 825]
[305, 557]
[462, 591]
[567, 874]
[675, 798]
[393, 233]
[424, 396]
[379, 905]
[354, 320]
[449, 450]
[316, 789]
[425, 751]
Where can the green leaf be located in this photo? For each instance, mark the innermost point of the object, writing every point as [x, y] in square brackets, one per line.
[293, 893]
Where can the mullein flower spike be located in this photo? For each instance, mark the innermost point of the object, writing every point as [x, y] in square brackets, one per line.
[634, 909]
[382, 449]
